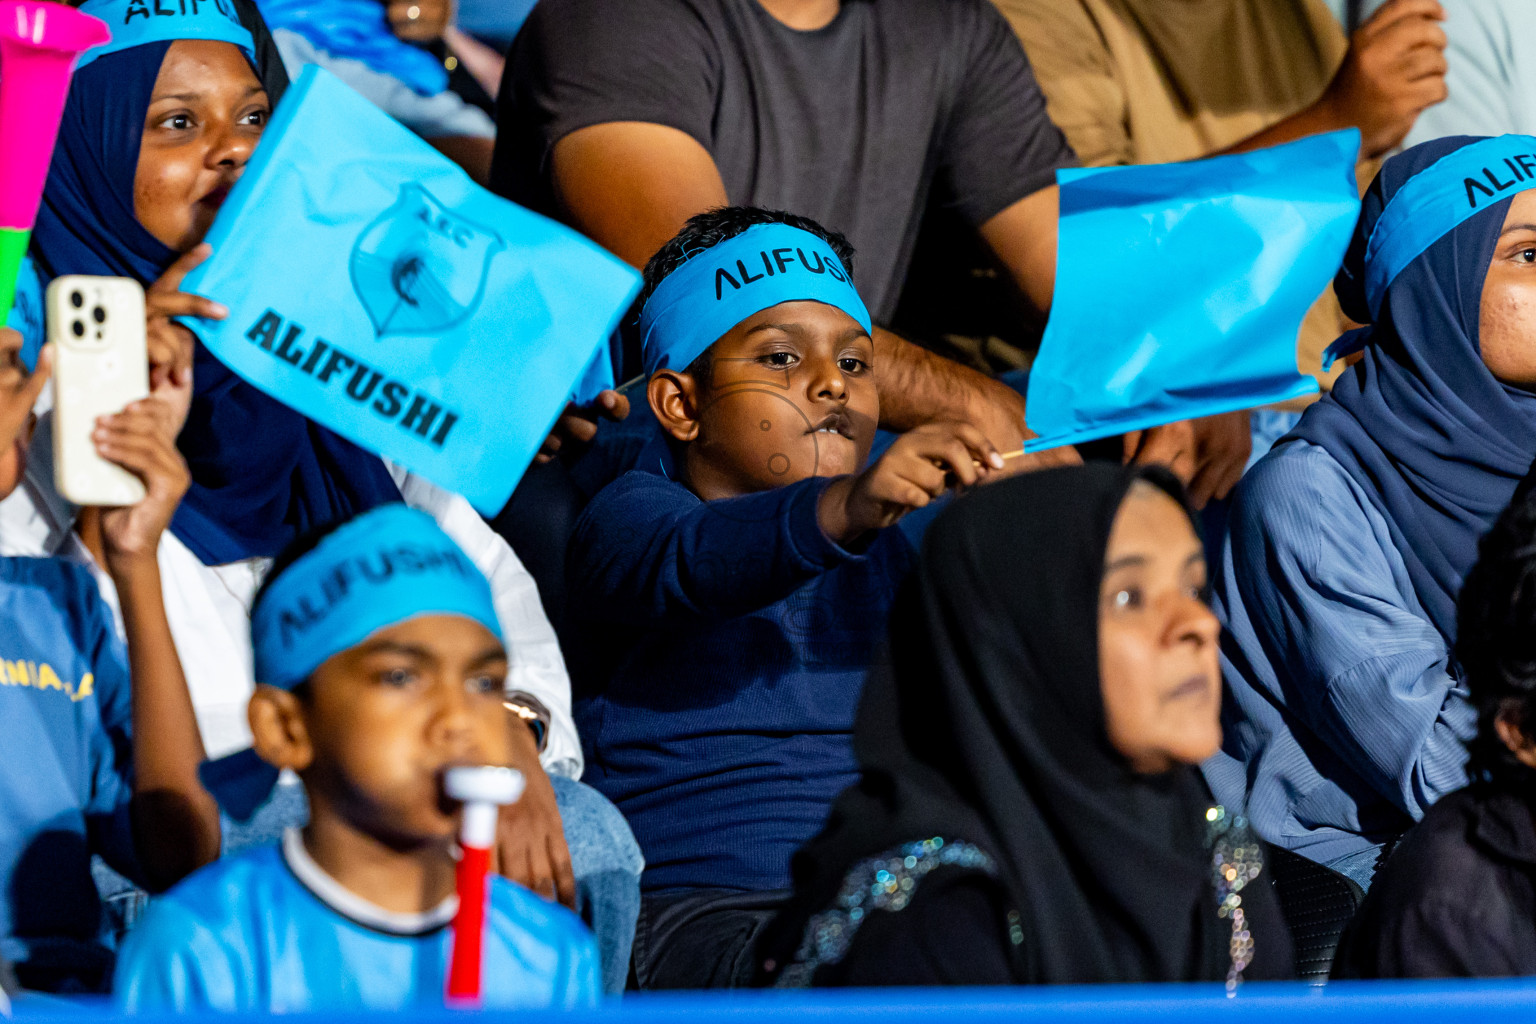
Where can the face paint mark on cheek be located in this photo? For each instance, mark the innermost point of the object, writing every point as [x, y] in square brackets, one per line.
[742, 371]
[778, 465]
[765, 425]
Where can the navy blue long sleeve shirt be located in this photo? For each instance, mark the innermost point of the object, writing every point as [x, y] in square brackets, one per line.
[719, 649]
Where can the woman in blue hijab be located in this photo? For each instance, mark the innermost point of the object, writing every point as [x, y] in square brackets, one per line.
[133, 187]
[1350, 540]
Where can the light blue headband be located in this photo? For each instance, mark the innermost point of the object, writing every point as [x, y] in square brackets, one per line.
[1433, 202]
[718, 288]
[137, 22]
[384, 567]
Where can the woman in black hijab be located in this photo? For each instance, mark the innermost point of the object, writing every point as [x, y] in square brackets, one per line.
[1029, 810]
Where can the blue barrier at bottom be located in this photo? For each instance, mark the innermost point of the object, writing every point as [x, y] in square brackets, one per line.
[1439, 1002]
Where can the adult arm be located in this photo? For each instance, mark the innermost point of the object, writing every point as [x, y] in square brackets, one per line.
[1357, 661]
[630, 185]
[1394, 70]
[419, 21]
[531, 848]
[602, 83]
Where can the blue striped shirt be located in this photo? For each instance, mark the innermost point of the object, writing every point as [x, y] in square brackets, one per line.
[1345, 719]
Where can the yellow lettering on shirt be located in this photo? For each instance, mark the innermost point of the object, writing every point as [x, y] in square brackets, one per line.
[48, 679]
[45, 677]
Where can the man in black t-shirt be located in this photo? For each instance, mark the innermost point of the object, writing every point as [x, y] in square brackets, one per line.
[626, 117]
[855, 121]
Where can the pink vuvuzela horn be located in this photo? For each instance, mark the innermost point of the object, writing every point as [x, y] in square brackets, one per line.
[39, 44]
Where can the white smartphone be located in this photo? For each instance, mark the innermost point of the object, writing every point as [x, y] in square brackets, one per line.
[96, 326]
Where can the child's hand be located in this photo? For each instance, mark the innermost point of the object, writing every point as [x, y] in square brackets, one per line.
[922, 464]
[141, 439]
[170, 345]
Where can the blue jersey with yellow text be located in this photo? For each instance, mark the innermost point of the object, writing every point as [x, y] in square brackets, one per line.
[65, 757]
[267, 931]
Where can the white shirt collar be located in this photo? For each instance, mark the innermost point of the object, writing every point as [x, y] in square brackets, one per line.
[352, 906]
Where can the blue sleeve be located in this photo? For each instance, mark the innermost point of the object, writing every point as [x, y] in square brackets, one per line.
[1350, 653]
[647, 550]
[26, 316]
[170, 963]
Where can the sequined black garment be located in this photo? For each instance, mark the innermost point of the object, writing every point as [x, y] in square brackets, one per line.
[887, 883]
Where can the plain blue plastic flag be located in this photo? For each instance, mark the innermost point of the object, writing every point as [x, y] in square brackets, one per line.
[377, 290]
[1180, 288]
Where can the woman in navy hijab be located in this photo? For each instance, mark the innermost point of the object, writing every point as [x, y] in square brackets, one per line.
[1350, 540]
[135, 184]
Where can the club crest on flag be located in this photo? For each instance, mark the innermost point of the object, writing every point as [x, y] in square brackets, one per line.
[419, 267]
[373, 287]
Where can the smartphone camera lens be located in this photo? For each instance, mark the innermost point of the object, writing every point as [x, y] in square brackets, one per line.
[99, 315]
[76, 299]
[78, 328]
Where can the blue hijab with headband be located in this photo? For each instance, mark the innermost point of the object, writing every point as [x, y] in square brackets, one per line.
[1431, 436]
[262, 474]
[719, 287]
[385, 567]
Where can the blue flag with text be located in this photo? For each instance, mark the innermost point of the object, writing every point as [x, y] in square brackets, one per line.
[377, 290]
[1180, 288]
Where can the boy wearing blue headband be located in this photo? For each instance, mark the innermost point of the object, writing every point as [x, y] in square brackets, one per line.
[90, 764]
[381, 665]
[727, 607]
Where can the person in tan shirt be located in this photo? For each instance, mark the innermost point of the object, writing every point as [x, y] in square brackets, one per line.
[1157, 81]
